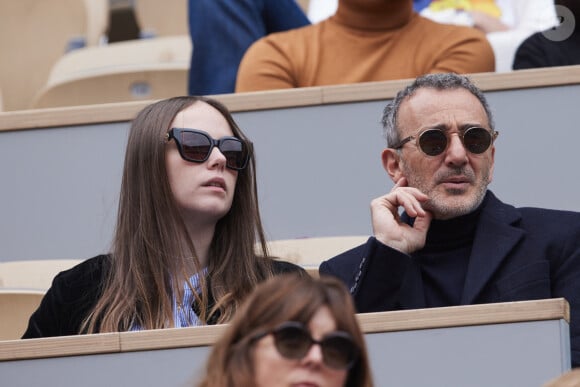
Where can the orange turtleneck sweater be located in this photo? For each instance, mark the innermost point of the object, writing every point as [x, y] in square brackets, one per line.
[364, 41]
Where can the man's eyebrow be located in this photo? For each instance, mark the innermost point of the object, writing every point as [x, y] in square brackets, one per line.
[472, 125]
[445, 127]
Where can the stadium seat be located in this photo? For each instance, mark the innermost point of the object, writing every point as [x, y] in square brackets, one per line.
[312, 251]
[16, 306]
[161, 18]
[34, 35]
[32, 274]
[133, 70]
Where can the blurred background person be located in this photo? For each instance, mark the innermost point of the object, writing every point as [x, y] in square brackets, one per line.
[222, 30]
[292, 331]
[558, 46]
[364, 41]
[506, 23]
[321, 9]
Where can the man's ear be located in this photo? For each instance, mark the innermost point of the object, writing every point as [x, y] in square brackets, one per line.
[392, 163]
[492, 164]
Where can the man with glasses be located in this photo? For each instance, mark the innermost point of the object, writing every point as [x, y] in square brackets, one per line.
[441, 238]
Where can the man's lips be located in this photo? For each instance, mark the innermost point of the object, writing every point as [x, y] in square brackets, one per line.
[466, 177]
[457, 180]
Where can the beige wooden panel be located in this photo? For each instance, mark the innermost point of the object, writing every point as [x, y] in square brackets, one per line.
[465, 315]
[273, 99]
[469, 315]
[60, 346]
[171, 338]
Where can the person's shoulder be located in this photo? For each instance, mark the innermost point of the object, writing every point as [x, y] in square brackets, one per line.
[509, 212]
[291, 37]
[84, 274]
[538, 222]
[67, 302]
[559, 218]
[557, 229]
[536, 51]
[348, 259]
[435, 30]
[277, 46]
[284, 267]
[537, 39]
[456, 48]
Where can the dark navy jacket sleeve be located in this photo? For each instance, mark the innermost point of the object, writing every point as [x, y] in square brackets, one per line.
[379, 277]
[565, 274]
[518, 254]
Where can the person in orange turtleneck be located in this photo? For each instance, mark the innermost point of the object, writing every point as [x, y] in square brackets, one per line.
[364, 41]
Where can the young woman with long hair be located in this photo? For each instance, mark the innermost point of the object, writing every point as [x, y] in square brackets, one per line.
[183, 251]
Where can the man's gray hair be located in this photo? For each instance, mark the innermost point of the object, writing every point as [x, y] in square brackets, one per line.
[442, 81]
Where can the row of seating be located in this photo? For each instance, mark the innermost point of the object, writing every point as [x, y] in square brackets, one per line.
[35, 35]
[24, 283]
[94, 72]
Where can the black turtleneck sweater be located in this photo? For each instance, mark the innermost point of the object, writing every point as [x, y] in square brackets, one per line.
[445, 257]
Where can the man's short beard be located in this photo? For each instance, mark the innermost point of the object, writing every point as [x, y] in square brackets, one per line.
[441, 208]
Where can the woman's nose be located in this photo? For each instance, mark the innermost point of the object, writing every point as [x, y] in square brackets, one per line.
[314, 355]
[216, 158]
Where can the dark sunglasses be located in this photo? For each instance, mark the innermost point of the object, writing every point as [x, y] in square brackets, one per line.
[433, 142]
[293, 341]
[196, 145]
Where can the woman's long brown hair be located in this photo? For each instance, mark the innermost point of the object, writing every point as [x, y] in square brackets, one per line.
[288, 297]
[148, 262]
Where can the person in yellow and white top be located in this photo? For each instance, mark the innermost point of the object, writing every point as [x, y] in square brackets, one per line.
[507, 23]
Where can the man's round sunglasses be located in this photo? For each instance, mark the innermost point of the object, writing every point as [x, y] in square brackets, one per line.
[196, 145]
[433, 142]
[293, 341]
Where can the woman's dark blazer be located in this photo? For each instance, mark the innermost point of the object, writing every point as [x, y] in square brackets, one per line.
[74, 293]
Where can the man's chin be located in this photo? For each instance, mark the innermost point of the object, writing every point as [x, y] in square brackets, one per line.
[451, 207]
[455, 190]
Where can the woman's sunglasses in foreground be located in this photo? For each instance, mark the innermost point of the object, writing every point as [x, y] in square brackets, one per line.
[196, 145]
[433, 142]
[293, 341]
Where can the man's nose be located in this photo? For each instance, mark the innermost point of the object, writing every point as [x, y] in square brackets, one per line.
[456, 153]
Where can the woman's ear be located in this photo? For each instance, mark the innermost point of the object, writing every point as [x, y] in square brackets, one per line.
[392, 163]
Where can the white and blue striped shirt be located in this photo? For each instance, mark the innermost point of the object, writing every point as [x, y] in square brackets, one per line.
[183, 313]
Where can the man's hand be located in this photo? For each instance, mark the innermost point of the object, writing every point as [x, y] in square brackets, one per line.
[387, 225]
